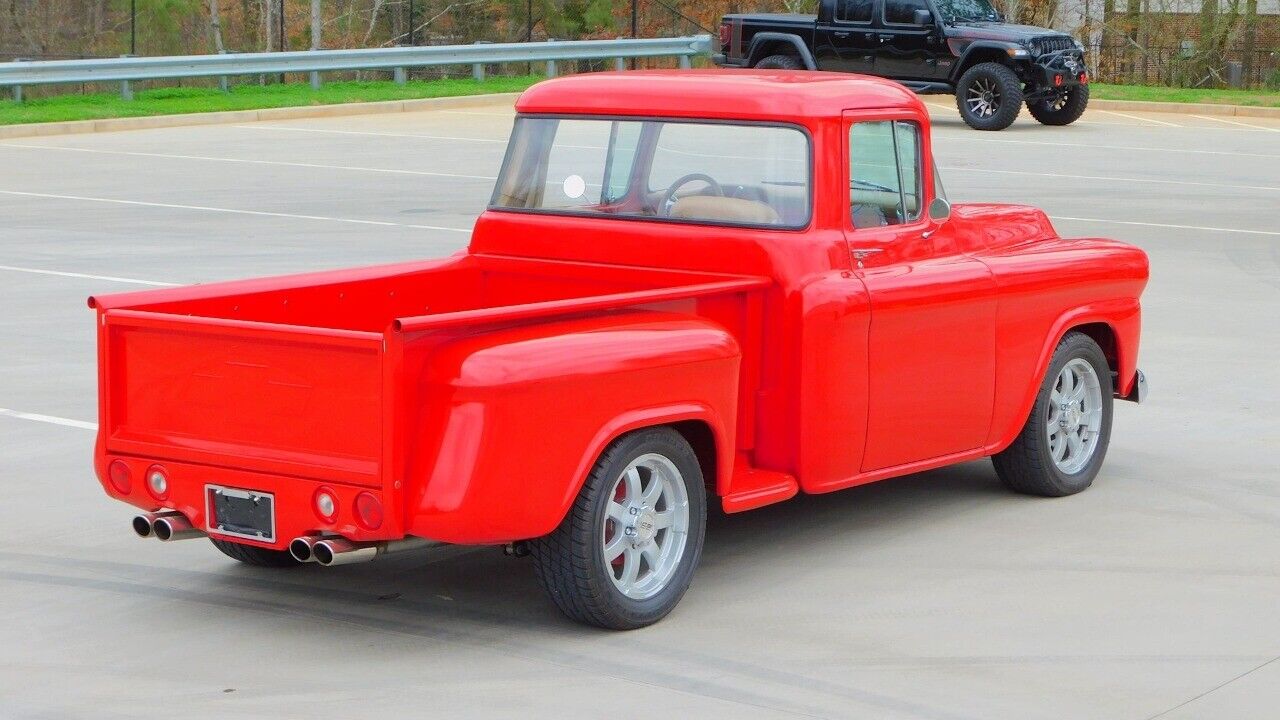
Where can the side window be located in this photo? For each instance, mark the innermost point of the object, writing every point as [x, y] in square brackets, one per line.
[854, 10]
[884, 173]
[902, 12]
[575, 164]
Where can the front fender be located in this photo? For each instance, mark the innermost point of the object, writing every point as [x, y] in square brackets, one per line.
[513, 420]
[964, 49]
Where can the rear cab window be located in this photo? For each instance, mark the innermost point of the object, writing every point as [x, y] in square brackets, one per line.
[752, 174]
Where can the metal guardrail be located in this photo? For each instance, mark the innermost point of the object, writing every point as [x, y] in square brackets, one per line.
[398, 59]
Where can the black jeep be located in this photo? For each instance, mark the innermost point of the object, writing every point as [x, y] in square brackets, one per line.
[957, 47]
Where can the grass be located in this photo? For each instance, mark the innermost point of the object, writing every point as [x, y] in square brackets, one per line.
[177, 101]
[1259, 98]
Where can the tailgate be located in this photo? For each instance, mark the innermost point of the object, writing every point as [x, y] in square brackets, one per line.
[273, 398]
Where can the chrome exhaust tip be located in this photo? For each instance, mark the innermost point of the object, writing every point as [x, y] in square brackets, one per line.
[144, 524]
[339, 551]
[174, 527]
[303, 548]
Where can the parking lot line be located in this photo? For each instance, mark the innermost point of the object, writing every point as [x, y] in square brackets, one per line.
[50, 419]
[1236, 122]
[292, 128]
[314, 166]
[1140, 119]
[204, 208]
[969, 137]
[1105, 178]
[107, 278]
[1167, 225]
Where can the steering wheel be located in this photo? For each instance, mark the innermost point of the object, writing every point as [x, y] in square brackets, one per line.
[669, 197]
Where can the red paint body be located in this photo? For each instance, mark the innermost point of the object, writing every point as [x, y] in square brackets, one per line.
[472, 394]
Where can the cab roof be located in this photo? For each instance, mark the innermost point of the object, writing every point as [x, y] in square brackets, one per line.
[771, 95]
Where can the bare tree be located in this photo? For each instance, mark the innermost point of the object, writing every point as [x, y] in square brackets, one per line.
[215, 26]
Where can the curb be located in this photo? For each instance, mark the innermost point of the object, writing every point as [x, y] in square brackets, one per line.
[1185, 108]
[244, 116]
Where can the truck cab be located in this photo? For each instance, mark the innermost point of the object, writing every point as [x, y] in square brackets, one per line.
[688, 288]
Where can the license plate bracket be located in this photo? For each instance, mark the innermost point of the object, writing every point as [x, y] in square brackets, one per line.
[247, 514]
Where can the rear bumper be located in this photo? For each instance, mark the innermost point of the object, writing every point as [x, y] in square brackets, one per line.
[293, 500]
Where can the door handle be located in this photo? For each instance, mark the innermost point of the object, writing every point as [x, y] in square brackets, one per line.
[841, 34]
[885, 38]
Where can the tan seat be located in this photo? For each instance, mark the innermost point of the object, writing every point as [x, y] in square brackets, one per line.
[724, 209]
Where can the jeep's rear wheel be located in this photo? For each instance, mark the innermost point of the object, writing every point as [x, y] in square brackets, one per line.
[1063, 107]
[780, 62]
[1063, 443]
[989, 96]
[625, 554]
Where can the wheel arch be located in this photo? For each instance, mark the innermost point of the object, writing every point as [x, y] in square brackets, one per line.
[1108, 324]
[981, 52]
[773, 43]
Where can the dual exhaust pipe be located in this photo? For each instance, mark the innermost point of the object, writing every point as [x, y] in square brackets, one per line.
[165, 526]
[327, 551]
[330, 551]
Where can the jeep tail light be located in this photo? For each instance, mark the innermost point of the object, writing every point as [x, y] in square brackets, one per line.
[120, 476]
[326, 505]
[157, 482]
[726, 36]
[368, 511]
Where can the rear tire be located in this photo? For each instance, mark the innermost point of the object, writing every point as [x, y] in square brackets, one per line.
[626, 552]
[989, 96]
[780, 62]
[256, 556]
[1063, 109]
[1075, 399]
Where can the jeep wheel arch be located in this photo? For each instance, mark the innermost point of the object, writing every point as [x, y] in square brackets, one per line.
[772, 43]
[980, 52]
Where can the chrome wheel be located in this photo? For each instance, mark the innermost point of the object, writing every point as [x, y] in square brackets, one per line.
[1074, 416]
[984, 97]
[646, 526]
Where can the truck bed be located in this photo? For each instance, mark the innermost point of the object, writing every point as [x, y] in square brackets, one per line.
[298, 376]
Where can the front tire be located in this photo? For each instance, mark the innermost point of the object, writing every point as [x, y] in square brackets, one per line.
[1063, 108]
[626, 552]
[780, 62]
[989, 96]
[256, 556]
[1063, 443]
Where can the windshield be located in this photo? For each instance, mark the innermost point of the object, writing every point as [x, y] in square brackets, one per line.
[953, 10]
[717, 173]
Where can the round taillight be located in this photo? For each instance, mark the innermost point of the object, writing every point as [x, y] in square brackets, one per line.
[120, 476]
[368, 511]
[158, 482]
[326, 505]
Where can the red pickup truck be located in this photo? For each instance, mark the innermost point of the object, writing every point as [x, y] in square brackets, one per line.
[687, 285]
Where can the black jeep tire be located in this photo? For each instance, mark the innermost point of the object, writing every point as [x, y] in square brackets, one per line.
[1059, 110]
[989, 96]
[780, 62]
[572, 563]
[1029, 465]
[256, 556]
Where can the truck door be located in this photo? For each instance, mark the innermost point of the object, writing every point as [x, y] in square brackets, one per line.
[844, 39]
[931, 345]
[908, 49]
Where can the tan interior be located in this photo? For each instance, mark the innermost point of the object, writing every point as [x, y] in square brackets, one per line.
[724, 209]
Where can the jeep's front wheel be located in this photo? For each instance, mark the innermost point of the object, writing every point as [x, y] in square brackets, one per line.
[1063, 107]
[625, 553]
[989, 96]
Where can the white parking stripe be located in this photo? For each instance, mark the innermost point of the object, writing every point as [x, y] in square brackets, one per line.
[1166, 225]
[969, 137]
[1139, 119]
[290, 128]
[1112, 179]
[259, 213]
[52, 420]
[246, 161]
[1236, 122]
[108, 278]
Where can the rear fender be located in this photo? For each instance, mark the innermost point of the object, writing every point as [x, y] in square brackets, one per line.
[512, 420]
[763, 44]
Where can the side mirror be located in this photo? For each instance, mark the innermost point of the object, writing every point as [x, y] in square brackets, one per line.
[922, 17]
[939, 209]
